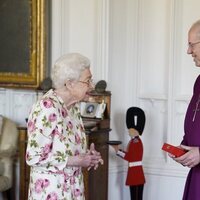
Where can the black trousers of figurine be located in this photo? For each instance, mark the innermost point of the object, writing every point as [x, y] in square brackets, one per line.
[136, 192]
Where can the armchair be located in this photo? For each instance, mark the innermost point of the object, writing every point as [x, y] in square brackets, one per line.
[8, 147]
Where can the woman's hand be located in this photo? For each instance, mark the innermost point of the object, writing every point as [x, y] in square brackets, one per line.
[95, 163]
[189, 159]
[90, 159]
[84, 160]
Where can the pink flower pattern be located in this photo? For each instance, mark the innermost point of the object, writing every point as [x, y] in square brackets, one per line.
[77, 138]
[45, 152]
[77, 192]
[52, 117]
[70, 125]
[31, 126]
[47, 103]
[52, 137]
[64, 112]
[52, 196]
[40, 184]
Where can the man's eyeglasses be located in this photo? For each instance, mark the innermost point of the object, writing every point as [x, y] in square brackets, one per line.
[191, 45]
[88, 82]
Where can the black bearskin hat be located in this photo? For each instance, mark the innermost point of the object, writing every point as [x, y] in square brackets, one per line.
[135, 118]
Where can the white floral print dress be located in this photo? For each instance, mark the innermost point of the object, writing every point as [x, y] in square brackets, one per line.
[54, 134]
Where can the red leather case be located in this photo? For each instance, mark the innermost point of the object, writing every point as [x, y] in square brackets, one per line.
[173, 150]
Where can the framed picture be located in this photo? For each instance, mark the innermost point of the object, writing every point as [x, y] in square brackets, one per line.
[23, 36]
[89, 109]
[92, 109]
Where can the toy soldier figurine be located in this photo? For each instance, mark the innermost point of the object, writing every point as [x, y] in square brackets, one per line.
[135, 120]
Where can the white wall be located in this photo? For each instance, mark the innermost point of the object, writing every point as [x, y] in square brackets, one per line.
[139, 48]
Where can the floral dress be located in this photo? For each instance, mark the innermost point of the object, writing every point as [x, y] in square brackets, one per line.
[54, 134]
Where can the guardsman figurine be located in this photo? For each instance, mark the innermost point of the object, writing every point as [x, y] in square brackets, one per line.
[135, 121]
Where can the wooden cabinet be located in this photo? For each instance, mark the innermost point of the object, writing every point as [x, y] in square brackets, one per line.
[24, 170]
[97, 180]
[94, 179]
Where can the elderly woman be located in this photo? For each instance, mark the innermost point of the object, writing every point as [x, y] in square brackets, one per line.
[56, 149]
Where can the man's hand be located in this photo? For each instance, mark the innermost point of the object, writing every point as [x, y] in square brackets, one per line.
[191, 158]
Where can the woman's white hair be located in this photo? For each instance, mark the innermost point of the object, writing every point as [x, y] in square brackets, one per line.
[68, 67]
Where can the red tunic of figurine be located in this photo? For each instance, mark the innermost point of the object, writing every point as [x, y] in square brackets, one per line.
[134, 154]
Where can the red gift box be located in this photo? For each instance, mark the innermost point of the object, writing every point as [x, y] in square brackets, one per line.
[173, 150]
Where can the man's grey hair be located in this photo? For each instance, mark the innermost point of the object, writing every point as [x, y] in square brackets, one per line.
[68, 67]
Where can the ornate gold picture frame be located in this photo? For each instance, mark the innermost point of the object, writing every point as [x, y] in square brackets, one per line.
[23, 38]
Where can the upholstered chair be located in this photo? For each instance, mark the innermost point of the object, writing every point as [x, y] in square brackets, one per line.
[8, 147]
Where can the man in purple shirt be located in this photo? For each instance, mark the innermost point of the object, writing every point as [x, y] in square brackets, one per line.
[191, 139]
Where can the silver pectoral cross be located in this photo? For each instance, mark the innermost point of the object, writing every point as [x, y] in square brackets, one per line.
[196, 109]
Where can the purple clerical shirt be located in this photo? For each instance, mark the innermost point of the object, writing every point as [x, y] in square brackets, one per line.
[192, 138]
